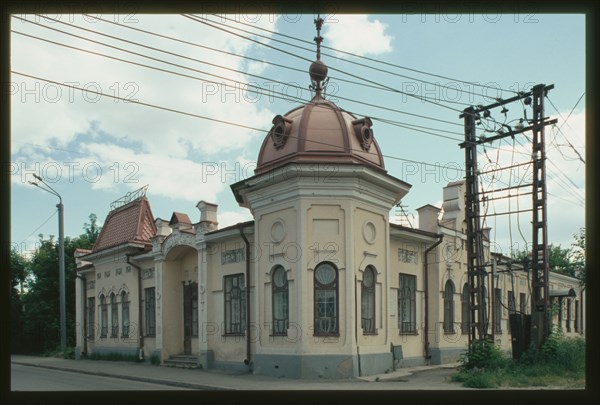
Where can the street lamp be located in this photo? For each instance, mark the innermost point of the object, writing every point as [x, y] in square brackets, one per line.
[61, 259]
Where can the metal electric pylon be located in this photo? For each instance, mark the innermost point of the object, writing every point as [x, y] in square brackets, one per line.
[476, 266]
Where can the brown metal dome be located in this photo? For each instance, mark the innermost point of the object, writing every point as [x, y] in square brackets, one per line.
[319, 132]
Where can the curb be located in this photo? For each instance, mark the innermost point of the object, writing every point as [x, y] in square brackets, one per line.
[130, 377]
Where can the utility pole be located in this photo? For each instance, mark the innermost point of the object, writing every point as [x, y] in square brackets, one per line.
[540, 311]
[476, 272]
[475, 269]
[61, 259]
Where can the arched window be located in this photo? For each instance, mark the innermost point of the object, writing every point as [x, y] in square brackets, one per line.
[103, 317]
[280, 301]
[326, 299]
[464, 304]
[114, 316]
[124, 314]
[367, 304]
[449, 307]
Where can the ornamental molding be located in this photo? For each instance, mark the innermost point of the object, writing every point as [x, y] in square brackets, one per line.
[178, 239]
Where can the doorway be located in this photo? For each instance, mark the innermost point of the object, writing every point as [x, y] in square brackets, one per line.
[190, 315]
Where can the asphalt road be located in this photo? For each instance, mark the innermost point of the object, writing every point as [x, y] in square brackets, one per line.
[26, 378]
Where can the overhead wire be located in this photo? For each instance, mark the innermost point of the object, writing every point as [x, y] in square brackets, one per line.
[371, 59]
[287, 97]
[354, 55]
[425, 99]
[207, 118]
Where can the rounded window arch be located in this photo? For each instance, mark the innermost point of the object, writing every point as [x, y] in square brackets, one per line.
[124, 313]
[326, 311]
[280, 300]
[449, 307]
[103, 316]
[367, 300]
[114, 315]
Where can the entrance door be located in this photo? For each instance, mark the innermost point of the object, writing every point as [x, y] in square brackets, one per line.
[190, 315]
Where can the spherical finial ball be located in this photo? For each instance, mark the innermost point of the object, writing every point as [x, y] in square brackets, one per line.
[318, 71]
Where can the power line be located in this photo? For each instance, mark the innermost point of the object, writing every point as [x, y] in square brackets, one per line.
[211, 119]
[335, 69]
[565, 121]
[36, 229]
[371, 59]
[342, 59]
[391, 122]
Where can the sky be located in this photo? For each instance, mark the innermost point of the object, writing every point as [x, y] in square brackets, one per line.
[95, 146]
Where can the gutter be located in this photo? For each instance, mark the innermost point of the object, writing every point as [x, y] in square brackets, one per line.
[140, 306]
[248, 360]
[426, 289]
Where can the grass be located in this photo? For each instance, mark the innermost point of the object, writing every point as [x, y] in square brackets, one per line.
[559, 362]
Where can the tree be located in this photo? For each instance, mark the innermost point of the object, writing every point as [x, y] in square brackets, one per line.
[559, 260]
[41, 313]
[18, 275]
[578, 255]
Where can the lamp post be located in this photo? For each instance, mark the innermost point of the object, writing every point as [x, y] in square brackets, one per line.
[61, 259]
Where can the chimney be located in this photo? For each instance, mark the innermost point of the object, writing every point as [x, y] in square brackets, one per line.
[208, 216]
[162, 227]
[428, 218]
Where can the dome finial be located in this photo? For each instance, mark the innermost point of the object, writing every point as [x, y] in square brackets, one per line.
[318, 69]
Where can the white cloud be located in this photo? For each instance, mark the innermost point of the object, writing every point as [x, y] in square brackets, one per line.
[355, 33]
[229, 218]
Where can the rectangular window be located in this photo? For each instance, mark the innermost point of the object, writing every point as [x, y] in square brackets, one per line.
[497, 310]
[91, 332]
[512, 307]
[150, 301]
[235, 304]
[407, 312]
[523, 303]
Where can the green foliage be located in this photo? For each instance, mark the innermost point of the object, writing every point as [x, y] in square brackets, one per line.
[113, 356]
[484, 355]
[563, 261]
[578, 255]
[155, 359]
[35, 312]
[559, 362]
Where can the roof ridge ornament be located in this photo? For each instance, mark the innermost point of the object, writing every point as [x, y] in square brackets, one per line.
[318, 69]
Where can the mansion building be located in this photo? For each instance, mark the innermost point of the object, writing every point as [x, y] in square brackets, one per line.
[318, 284]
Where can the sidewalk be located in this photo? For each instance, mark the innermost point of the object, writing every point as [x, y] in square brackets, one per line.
[227, 380]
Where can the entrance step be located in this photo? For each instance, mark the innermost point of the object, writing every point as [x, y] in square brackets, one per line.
[182, 361]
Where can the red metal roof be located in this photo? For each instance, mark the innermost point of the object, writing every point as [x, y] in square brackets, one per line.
[131, 223]
[179, 217]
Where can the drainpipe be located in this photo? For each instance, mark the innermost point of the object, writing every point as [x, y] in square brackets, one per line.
[85, 313]
[426, 289]
[248, 354]
[140, 307]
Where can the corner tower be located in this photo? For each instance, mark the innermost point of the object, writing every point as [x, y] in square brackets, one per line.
[320, 198]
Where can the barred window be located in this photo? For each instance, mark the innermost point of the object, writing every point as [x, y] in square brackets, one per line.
[114, 316]
[367, 304]
[407, 312]
[326, 300]
[124, 314]
[512, 308]
[568, 315]
[150, 305]
[235, 304]
[103, 317]
[497, 310]
[523, 303]
[280, 300]
[449, 307]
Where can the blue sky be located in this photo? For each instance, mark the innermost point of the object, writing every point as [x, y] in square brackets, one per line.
[94, 149]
